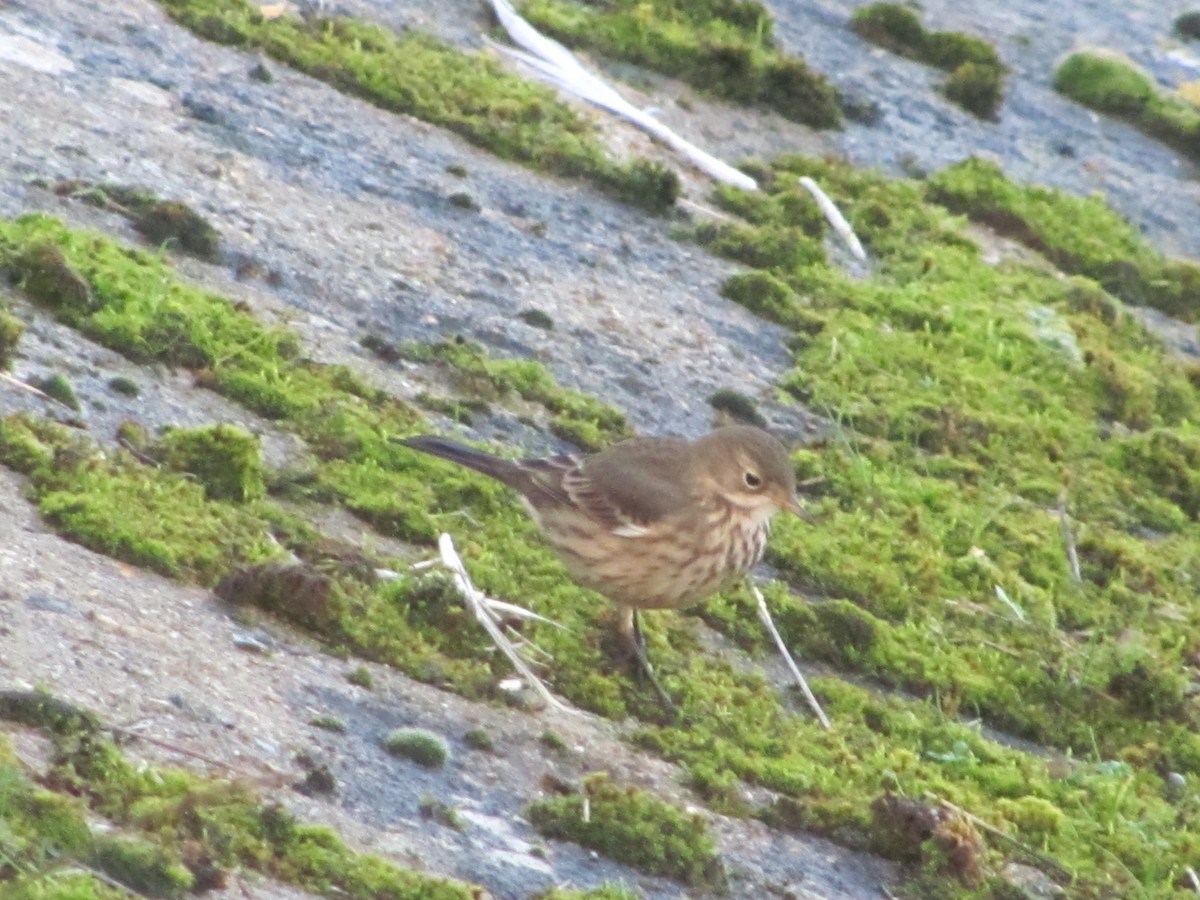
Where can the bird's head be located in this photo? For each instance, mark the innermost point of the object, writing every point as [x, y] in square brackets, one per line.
[749, 468]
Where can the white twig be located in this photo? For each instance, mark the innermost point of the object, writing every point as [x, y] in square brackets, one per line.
[561, 67]
[478, 603]
[1002, 595]
[835, 218]
[520, 612]
[37, 392]
[1069, 540]
[1192, 877]
[765, 615]
[707, 211]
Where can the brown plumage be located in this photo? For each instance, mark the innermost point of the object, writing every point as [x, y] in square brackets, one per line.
[652, 522]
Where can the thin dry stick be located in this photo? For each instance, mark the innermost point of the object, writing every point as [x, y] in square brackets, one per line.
[99, 876]
[707, 210]
[1069, 540]
[477, 602]
[184, 751]
[17, 382]
[835, 218]
[996, 832]
[765, 615]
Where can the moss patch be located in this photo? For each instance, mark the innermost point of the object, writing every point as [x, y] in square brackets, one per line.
[422, 747]
[414, 74]
[977, 396]
[1080, 235]
[168, 223]
[1114, 86]
[1187, 25]
[633, 827]
[58, 387]
[11, 329]
[225, 460]
[575, 417]
[182, 832]
[976, 81]
[606, 891]
[114, 505]
[722, 47]
[770, 297]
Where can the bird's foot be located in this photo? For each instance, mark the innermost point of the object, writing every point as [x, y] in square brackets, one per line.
[637, 650]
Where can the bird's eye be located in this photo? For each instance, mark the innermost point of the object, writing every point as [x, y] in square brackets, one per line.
[752, 480]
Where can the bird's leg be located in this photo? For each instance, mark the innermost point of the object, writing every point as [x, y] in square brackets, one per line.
[631, 630]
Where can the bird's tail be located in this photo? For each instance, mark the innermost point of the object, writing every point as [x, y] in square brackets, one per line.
[501, 469]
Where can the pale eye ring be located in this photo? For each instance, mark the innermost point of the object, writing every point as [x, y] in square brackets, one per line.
[752, 480]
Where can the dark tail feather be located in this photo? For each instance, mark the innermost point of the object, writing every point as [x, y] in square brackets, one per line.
[498, 468]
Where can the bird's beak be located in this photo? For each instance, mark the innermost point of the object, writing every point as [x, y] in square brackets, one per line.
[792, 505]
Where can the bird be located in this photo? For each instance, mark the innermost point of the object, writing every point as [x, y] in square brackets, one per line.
[652, 522]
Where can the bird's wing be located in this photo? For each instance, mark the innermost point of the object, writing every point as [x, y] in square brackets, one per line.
[633, 485]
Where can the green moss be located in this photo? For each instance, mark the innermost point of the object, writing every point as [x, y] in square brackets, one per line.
[38, 825]
[442, 813]
[40, 268]
[461, 410]
[11, 330]
[977, 88]
[945, 488]
[129, 301]
[770, 297]
[62, 885]
[416, 75]
[59, 388]
[723, 48]
[328, 723]
[114, 505]
[169, 223]
[361, 676]
[762, 247]
[144, 867]
[1112, 85]
[126, 387]
[1080, 235]
[536, 318]
[463, 200]
[179, 831]
[576, 417]
[606, 891]
[633, 827]
[976, 81]
[893, 26]
[733, 406]
[478, 739]
[224, 459]
[1187, 25]
[38, 709]
[1170, 461]
[422, 747]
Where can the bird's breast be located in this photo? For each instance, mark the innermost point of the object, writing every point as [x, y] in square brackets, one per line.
[662, 565]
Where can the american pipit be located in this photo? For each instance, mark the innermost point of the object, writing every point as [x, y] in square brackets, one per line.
[652, 522]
